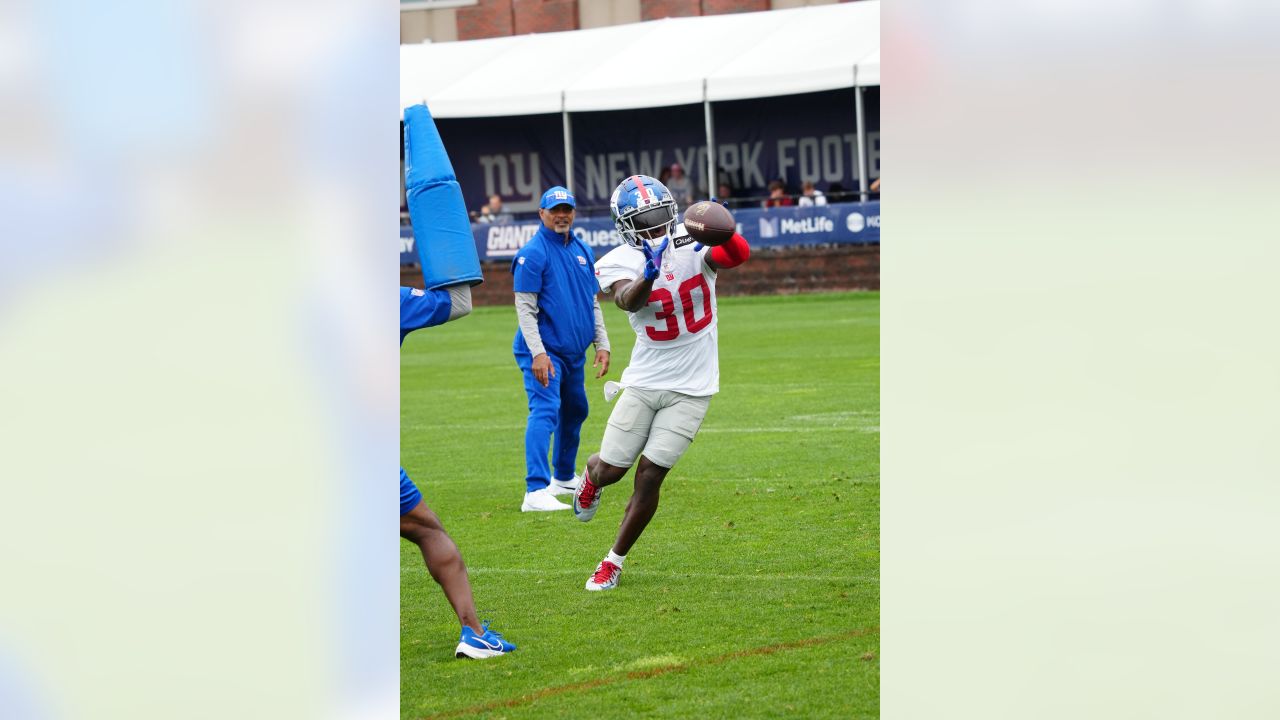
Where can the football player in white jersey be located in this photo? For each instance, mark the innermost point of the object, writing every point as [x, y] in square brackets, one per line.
[666, 282]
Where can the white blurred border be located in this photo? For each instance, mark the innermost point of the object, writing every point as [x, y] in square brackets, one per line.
[199, 374]
[1080, 363]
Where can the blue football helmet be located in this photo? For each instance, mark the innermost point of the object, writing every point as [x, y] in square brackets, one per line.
[643, 210]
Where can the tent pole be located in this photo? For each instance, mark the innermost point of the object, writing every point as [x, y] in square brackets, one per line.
[862, 138]
[711, 143]
[568, 144]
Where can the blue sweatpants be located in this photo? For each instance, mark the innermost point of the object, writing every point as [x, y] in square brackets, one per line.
[560, 408]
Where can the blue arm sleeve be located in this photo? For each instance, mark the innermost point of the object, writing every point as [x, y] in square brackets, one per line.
[423, 308]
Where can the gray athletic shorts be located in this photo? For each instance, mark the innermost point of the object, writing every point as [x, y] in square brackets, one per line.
[659, 423]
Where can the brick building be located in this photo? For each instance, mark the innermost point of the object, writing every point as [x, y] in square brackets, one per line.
[445, 20]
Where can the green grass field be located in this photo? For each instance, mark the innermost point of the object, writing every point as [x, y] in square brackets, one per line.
[754, 592]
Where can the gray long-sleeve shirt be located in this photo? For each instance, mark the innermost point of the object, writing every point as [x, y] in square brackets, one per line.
[527, 317]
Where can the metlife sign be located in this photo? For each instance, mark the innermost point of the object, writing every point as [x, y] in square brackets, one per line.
[848, 223]
[859, 223]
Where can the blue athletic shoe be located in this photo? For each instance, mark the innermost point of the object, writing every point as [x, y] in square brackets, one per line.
[485, 645]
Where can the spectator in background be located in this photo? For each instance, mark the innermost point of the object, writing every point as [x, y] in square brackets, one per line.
[811, 196]
[724, 194]
[778, 196]
[679, 185]
[493, 213]
[495, 207]
[836, 193]
[875, 186]
[664, 175]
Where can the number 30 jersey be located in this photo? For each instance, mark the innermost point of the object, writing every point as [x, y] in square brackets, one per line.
[676, 347]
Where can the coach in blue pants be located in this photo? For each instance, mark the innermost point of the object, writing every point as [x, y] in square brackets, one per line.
[559, 317]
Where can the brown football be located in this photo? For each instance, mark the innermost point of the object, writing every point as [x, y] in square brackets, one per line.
[709, 223]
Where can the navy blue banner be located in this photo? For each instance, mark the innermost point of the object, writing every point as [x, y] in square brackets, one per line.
[853, 223]
[795, 138]
[409, 252]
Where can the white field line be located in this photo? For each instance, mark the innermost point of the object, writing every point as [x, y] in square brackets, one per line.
[860, 480]
[775, 429]
[585, 571]
[839, 415]
[846, 428]
[803, 423]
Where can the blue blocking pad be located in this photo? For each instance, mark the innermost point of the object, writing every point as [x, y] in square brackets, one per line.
[441, 228]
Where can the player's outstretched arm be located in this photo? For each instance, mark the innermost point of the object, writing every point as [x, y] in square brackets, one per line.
[729, 255]
[631, 295]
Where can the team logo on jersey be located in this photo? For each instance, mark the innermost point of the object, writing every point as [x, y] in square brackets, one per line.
[520, 261]
[417, 292]
[582, 260]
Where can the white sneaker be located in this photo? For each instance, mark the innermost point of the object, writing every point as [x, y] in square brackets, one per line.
[564, 487]
[587, 499]
[540, 500]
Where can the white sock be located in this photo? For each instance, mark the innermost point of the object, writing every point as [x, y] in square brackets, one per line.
[615, 559]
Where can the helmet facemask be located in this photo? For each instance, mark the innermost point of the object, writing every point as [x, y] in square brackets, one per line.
[649, 225]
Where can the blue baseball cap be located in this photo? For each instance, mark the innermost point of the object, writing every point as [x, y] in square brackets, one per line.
[558, 196]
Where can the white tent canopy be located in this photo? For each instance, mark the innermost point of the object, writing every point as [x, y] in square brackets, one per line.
[816, 49]
[648, 64]
[869, 69]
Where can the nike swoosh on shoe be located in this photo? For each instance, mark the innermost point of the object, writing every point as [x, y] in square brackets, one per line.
[496, 646]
